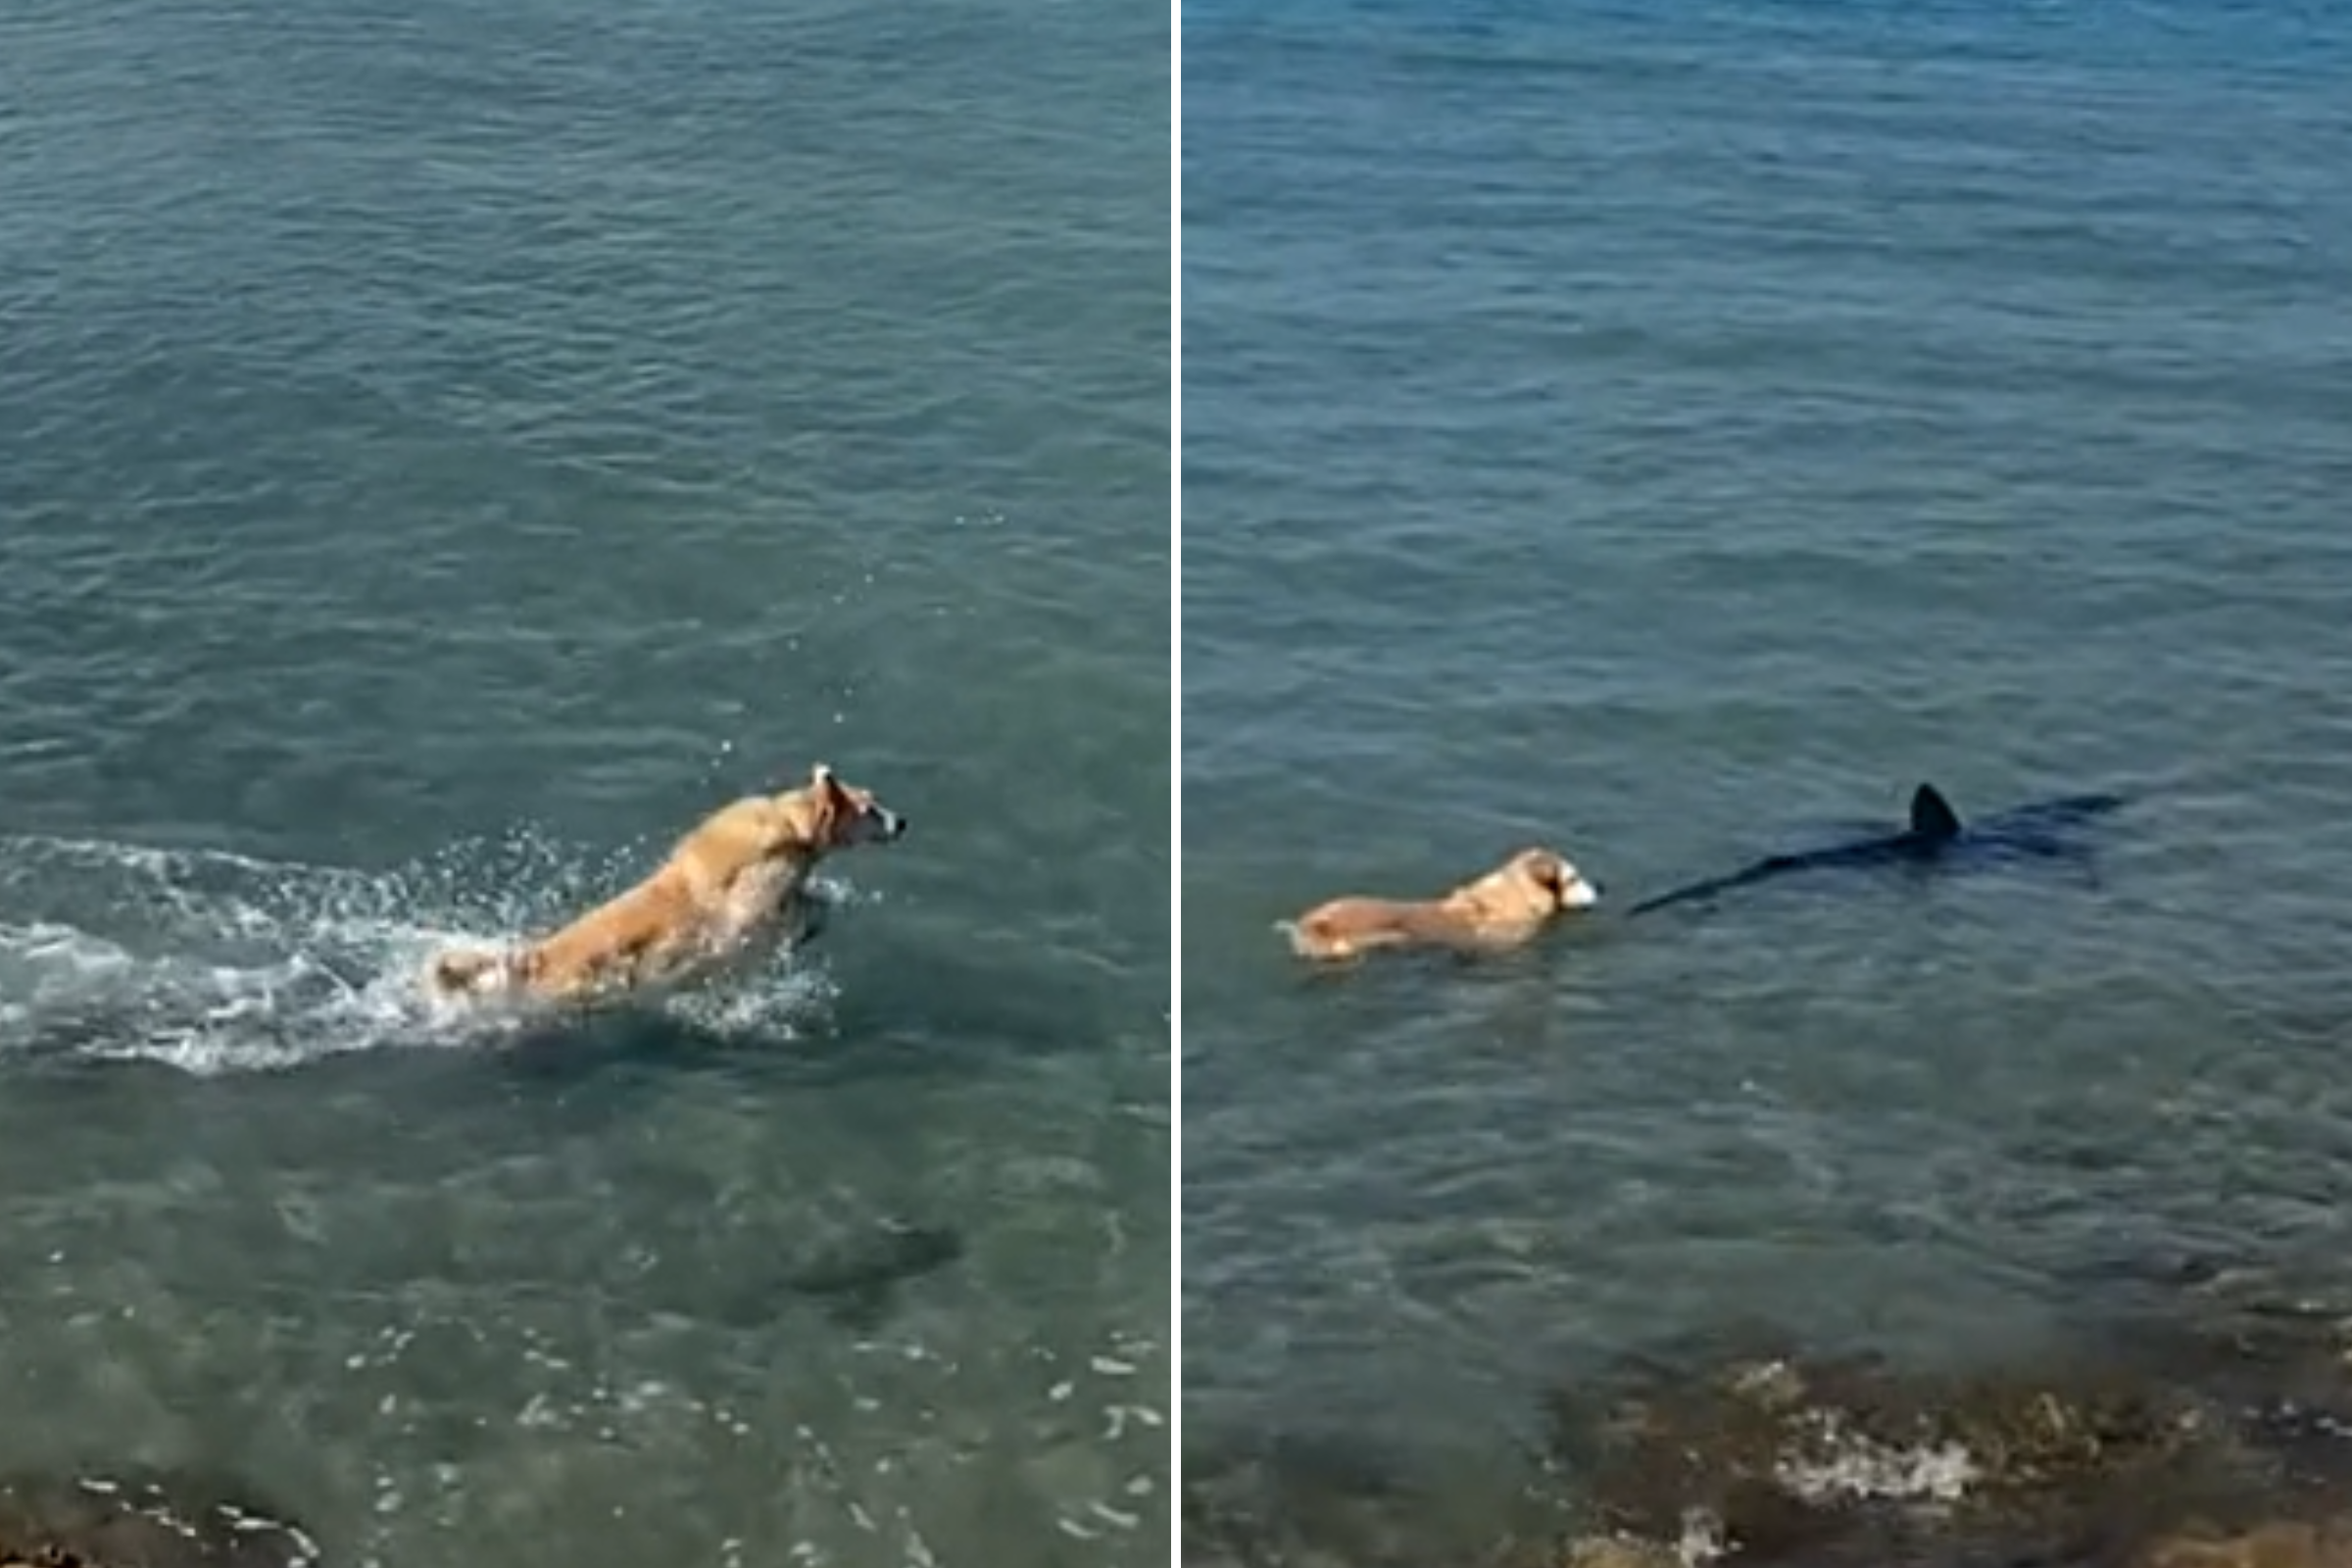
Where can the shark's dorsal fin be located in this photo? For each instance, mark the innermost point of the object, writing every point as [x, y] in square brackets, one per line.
[1932, 815]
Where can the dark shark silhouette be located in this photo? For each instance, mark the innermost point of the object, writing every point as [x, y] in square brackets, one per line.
[857, 1280]
[2041, 831]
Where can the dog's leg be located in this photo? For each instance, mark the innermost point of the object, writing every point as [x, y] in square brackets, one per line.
[479, 971]
[471, 972]
[804, 920]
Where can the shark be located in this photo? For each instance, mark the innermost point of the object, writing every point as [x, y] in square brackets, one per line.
[1935, 836]
[856, 1280]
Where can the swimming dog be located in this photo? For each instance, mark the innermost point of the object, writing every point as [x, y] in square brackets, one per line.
[736, 884]
[1503, 909]
[1935, 836]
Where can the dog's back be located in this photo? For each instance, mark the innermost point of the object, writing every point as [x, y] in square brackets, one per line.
[1344, 927]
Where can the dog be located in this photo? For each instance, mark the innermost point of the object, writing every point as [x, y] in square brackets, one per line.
[735, 885]
[1505, 909]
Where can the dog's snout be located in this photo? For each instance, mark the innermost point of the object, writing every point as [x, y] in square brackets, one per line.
[893, 826]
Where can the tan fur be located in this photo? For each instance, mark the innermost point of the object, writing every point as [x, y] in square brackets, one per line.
[1503, 909]
[734, 882]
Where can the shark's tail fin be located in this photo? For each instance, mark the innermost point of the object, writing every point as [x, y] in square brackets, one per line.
[1932, 815]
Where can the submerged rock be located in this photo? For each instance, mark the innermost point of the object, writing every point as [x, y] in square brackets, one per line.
[2217, 1434]
[2281, 1543]
[1783, 1457]
[143, 1520]
[1616, 1552]
[2122, 1458]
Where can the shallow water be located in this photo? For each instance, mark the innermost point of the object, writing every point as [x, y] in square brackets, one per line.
[440, 454]
[1673, 436]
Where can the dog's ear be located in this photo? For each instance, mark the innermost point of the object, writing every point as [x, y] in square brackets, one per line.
[1547, 870]
[825, 799]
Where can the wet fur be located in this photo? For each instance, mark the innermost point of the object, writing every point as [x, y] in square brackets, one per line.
[733, 888]
[1505, 909]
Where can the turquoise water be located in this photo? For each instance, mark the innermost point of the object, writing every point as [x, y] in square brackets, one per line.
[1672, 433]
[442, 450]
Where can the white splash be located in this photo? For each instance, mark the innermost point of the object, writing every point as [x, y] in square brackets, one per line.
[1847, 1464]
[216, 962]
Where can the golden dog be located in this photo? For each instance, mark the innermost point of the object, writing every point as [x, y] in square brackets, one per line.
[1503, 909]
[733, 885]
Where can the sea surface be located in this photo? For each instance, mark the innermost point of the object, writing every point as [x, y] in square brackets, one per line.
[444, 449]
[1671, 432]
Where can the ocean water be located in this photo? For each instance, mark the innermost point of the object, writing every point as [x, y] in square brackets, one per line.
[444, 449]
[1670, 433]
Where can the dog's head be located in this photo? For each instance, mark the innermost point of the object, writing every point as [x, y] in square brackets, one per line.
[826, 813]
[1541, 882]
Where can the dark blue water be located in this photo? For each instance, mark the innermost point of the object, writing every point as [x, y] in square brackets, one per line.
[1671, 432]
[442, 452]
